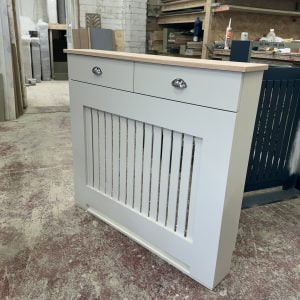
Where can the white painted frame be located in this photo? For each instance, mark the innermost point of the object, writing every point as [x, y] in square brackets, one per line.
[226, 138]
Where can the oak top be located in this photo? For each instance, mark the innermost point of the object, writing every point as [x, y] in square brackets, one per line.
[175, 61]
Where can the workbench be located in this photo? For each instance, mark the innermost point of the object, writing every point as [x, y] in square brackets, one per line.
[292, 59]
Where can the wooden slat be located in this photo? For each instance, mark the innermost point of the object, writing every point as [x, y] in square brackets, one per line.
[123, 159]
[184, 4]
[164, 176]
[89, 147]
[174, 179]
[179, 18]
[259, 128]
[272, 158]
[155, 171]
[288, 127]
[138, 164]
[184, 183]
[193, 197]
[147, 168]
[102, 150]
[108, 153]
[285, 110]
[171, 60]
[96, 152]
[256, 10]
[116, 155]
[130, 162]
[265, 149]
[55, 26]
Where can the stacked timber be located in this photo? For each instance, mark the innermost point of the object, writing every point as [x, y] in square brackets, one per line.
[181, 11]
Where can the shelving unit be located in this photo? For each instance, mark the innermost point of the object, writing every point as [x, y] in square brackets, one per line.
[214, 16]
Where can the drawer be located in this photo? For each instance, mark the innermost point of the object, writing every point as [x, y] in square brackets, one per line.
[210, 88]
[116, 74]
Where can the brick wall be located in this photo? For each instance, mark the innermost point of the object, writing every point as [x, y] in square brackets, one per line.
[127, 15]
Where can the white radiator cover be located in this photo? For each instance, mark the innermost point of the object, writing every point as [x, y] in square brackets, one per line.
[168, 173]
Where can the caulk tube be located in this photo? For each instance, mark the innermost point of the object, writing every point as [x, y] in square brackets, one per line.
[228, 36]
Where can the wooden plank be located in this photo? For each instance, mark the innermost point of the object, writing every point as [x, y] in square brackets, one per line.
[130, 162]
[272, 158]
[174, 180]
[180, 18]
[89, 147]
[96, 152]
[164, 176]
[6, 67]
[138, 173]
[53, 26]
[155, 171]
[147, 168]
[116, 155]
[256, 10]
[108, 153]
[2, 109]
[123, 159]
[183, 4]
[207, 36]
[184, 183]
[174, 61]
[102, 150]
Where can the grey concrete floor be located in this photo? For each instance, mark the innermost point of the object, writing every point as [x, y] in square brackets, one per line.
[48, 93]
[49, 249]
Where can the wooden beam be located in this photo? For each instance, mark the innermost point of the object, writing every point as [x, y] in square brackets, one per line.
[53, 26]
[6, 67]
[256, 10]
[183, 4]
[180, 18]
[207, 28]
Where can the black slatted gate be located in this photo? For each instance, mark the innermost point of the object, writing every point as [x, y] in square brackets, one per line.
[275, 128]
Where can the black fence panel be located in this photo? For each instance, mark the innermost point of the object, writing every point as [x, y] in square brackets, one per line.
[275, 129]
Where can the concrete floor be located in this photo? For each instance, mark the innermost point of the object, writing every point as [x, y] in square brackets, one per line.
[49, 249]
[48, 93]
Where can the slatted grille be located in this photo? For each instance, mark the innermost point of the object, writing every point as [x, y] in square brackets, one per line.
[147, 168]
[276, 122]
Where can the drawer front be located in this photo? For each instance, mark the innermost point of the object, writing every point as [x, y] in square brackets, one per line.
[210, 88]
[109, 73]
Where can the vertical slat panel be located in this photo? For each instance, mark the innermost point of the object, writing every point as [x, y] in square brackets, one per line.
[174, 179]
[164, 176]
[184, 183]
[130, 161]
[289, 126]
[283, 120]
[108, 152]
[155, 171]
[123, 158]
[102, 150]
[256, 132]
[272, 159]
[89, 147]
[116, 155]
[138, 164]
[96, 149]
[147, 168]
[262, 130]
[193, 193]
[265, 149]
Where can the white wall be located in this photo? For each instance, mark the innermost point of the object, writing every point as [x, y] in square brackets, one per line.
[127, 15]
[34, 9]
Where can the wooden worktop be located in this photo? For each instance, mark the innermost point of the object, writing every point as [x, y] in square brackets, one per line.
[176, 61]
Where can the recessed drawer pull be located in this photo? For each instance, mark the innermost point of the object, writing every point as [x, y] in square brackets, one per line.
[97, 71]
[179, 83]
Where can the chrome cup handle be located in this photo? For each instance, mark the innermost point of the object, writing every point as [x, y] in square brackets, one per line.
[179, 83]
[97, 71]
